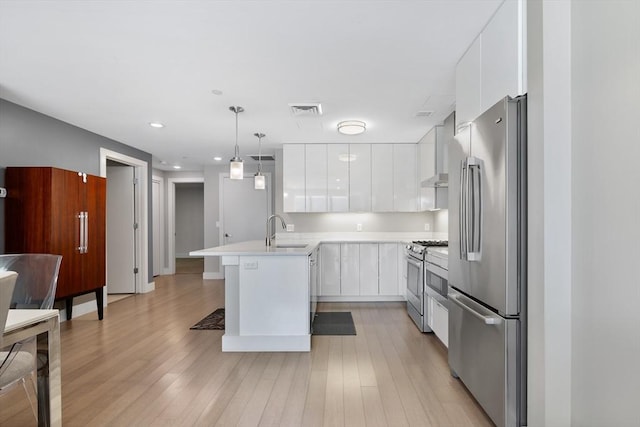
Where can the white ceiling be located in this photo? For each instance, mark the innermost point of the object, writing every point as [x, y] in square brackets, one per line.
[112, 67]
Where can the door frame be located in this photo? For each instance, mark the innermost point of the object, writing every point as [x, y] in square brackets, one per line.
[222, 176]
[141, 201]
[171, 218]
[160, 246]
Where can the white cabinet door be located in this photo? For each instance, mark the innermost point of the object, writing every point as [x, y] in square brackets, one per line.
[440, 321]
[350, 269]
[330, 269]
[368, 268]
[382, 177]
[468, 84]
[293, 177]
[402, 271]
[405, 178]
[501, 71]
[427, 168]
[338, 177]
[316, 177]
[359, 177]
[388, 269]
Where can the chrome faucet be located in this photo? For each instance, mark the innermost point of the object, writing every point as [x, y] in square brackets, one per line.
[269, 236]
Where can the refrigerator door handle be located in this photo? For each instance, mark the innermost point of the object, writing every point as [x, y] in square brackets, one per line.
[488, 320]
[462, 217]
[474, 170]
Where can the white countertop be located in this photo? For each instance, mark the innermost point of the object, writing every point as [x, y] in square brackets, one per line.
[258, 248]
[306, 242]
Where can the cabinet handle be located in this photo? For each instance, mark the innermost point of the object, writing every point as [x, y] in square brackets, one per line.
[82, 229]
[86, 232]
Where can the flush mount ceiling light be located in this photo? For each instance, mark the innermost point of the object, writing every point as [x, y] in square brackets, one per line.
[217, 158]
[352, 127]
[156, 125]
[258, 178]
[236, 170]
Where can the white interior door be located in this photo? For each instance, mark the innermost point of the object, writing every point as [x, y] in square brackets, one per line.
[120, 230]
[244, 211]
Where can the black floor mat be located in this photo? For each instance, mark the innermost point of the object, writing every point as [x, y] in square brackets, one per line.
[333, 323]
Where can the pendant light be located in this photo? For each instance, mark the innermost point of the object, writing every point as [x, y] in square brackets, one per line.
[258, 179]
[236, 170]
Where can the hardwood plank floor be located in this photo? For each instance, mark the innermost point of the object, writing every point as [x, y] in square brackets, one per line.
[143, 366]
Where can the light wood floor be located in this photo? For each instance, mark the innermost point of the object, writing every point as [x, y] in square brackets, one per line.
[143, 366]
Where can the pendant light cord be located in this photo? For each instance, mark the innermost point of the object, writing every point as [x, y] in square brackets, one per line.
[237, 149]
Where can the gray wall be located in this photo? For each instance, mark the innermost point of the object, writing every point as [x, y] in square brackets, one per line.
[28, 138]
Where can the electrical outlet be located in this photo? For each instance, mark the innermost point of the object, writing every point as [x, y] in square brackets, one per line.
[291, 227]
[427, 227]
[251, 265]
[358, 227]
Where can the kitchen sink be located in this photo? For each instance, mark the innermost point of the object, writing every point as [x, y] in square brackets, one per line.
[290, 245]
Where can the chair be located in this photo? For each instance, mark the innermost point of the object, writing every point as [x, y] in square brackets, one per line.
[35, 288]
[7, 283]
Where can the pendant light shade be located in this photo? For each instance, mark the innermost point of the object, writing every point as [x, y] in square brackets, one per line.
[236, 169]
[258, 179]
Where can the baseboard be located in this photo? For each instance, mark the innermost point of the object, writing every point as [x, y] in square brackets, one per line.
[357, 298]
[149, 287]
[214, 275]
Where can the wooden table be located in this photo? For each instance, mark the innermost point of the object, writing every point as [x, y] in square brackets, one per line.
[45, 326]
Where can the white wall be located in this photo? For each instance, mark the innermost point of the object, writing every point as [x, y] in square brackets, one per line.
[189, 218]
[605, 46]
[584, 199]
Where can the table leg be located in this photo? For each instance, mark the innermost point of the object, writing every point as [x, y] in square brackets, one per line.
[49, 376]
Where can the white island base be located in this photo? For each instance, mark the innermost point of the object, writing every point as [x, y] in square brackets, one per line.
[267, 302]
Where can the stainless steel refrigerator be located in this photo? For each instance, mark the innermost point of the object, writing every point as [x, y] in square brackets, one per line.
[487, 260]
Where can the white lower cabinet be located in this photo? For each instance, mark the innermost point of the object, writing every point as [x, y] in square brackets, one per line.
[368, 268]
[438, 320]
[388, 269]
[361, 272]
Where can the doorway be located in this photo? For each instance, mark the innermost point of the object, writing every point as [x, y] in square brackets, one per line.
[171, 218]
[189, 227]
[141, 201]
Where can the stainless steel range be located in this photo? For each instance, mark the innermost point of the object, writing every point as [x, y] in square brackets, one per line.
[426, 265]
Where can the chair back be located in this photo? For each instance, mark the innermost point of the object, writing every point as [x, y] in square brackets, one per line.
[7, 283]
[37, 279]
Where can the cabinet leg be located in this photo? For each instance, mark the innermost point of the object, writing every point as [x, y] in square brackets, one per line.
[68, 305]
[100, 302]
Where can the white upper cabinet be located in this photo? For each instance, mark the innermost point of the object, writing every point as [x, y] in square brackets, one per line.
[382, 178]
[338, 177]
[502, 69]
[316, 177]
[405, 178]
[293, 177]
[468, 83]
[360, 177]
[494, 65]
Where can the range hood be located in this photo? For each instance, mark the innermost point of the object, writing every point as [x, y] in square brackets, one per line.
[436, 181]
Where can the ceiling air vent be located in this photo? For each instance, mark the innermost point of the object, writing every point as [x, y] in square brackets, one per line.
[306, 109]
[264, 158]
[424, 113]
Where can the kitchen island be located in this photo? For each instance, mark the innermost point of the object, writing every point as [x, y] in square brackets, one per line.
[269, 295]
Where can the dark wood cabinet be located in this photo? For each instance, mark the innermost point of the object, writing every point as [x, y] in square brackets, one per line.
[50, 210]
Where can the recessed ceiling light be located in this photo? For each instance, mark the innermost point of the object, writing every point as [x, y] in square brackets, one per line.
[177, 167]
[216, 92]
[162, 162]
[217, 159]
[156, 125]
[351, 127]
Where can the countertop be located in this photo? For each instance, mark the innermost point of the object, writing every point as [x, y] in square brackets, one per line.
[305, 243]
[258, 248]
